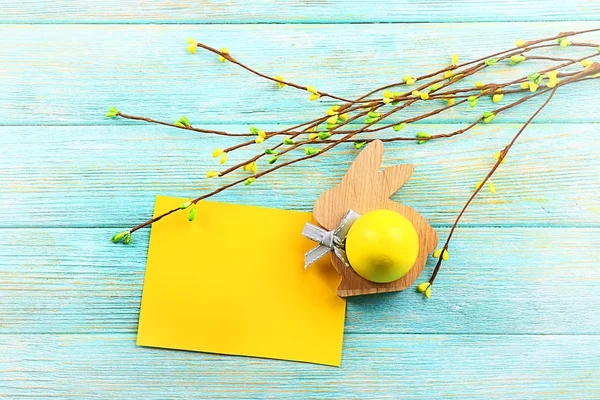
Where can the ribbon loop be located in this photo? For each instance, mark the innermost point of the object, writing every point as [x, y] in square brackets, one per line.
[328, 240]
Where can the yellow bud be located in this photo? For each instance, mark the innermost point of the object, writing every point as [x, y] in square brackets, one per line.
[424, 96]
[314, 96]
[217, 152]
[565, 43]
[212, 174]
[332, 120]
[497, 97]
[335, 108]
[450, 101]
[253, 168]
[312, 89]
[520, 43]
[330, 112]
[415, 93]
[552, 75]
[192, 48]
[387, 100]
[279, 81]
[247, 167]
[586, 63]
[190, 41]
[344, 116]
[525, 85]
[478, 185]
[262, 134]
[454, 59]
[223, 159]
[388, 93]
[312, 129]
[224, 50]
[533, 86]
[479, 84]
[492, 187]
[222, 59]
[428, 292]
[406, 77]
[448, 74]
[411, 81]
[552, 83]
[423, 286]
[259, 140]
[312, 136]
[497, 157]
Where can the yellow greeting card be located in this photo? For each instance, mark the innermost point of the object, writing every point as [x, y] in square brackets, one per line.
[233, 282]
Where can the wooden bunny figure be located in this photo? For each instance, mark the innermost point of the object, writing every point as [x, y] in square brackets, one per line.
[365, 188]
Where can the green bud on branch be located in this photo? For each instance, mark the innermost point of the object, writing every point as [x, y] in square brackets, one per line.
[112, 112]
[184, 121]
[119, 236]
[423, 135]
[399, 127]
[192, 214]
[473, 100]
[517, 59]
[488, 117]
[434, 87]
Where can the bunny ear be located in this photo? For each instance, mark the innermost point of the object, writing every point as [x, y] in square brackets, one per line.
[392, 178]
[367, 163]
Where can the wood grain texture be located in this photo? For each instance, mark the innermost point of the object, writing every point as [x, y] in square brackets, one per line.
[366, 187]
[291, 12]
[373, 366]
[513, 313]
[108, 176]
[498, 281]
[145, 70]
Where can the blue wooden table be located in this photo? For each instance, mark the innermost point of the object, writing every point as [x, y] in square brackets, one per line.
[514, 314]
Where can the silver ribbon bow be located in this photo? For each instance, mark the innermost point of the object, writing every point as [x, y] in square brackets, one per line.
[328, 240]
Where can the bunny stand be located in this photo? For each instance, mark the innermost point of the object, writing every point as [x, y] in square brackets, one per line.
[366, 187]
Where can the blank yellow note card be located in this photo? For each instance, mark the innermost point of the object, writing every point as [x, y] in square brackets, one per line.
[233, 282]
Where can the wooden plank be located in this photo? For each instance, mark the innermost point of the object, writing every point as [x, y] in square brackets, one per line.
[373, 366]
[497, 281]
[108, 176]
[71, 74]
[289, 11]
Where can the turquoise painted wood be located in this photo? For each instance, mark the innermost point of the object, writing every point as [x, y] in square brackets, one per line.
[512, 315]
[107, 176]
[498, 281]
[132, 67]
[290, 11]
[411, 366]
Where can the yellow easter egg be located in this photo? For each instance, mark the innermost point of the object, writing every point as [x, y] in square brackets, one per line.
[382, 246]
